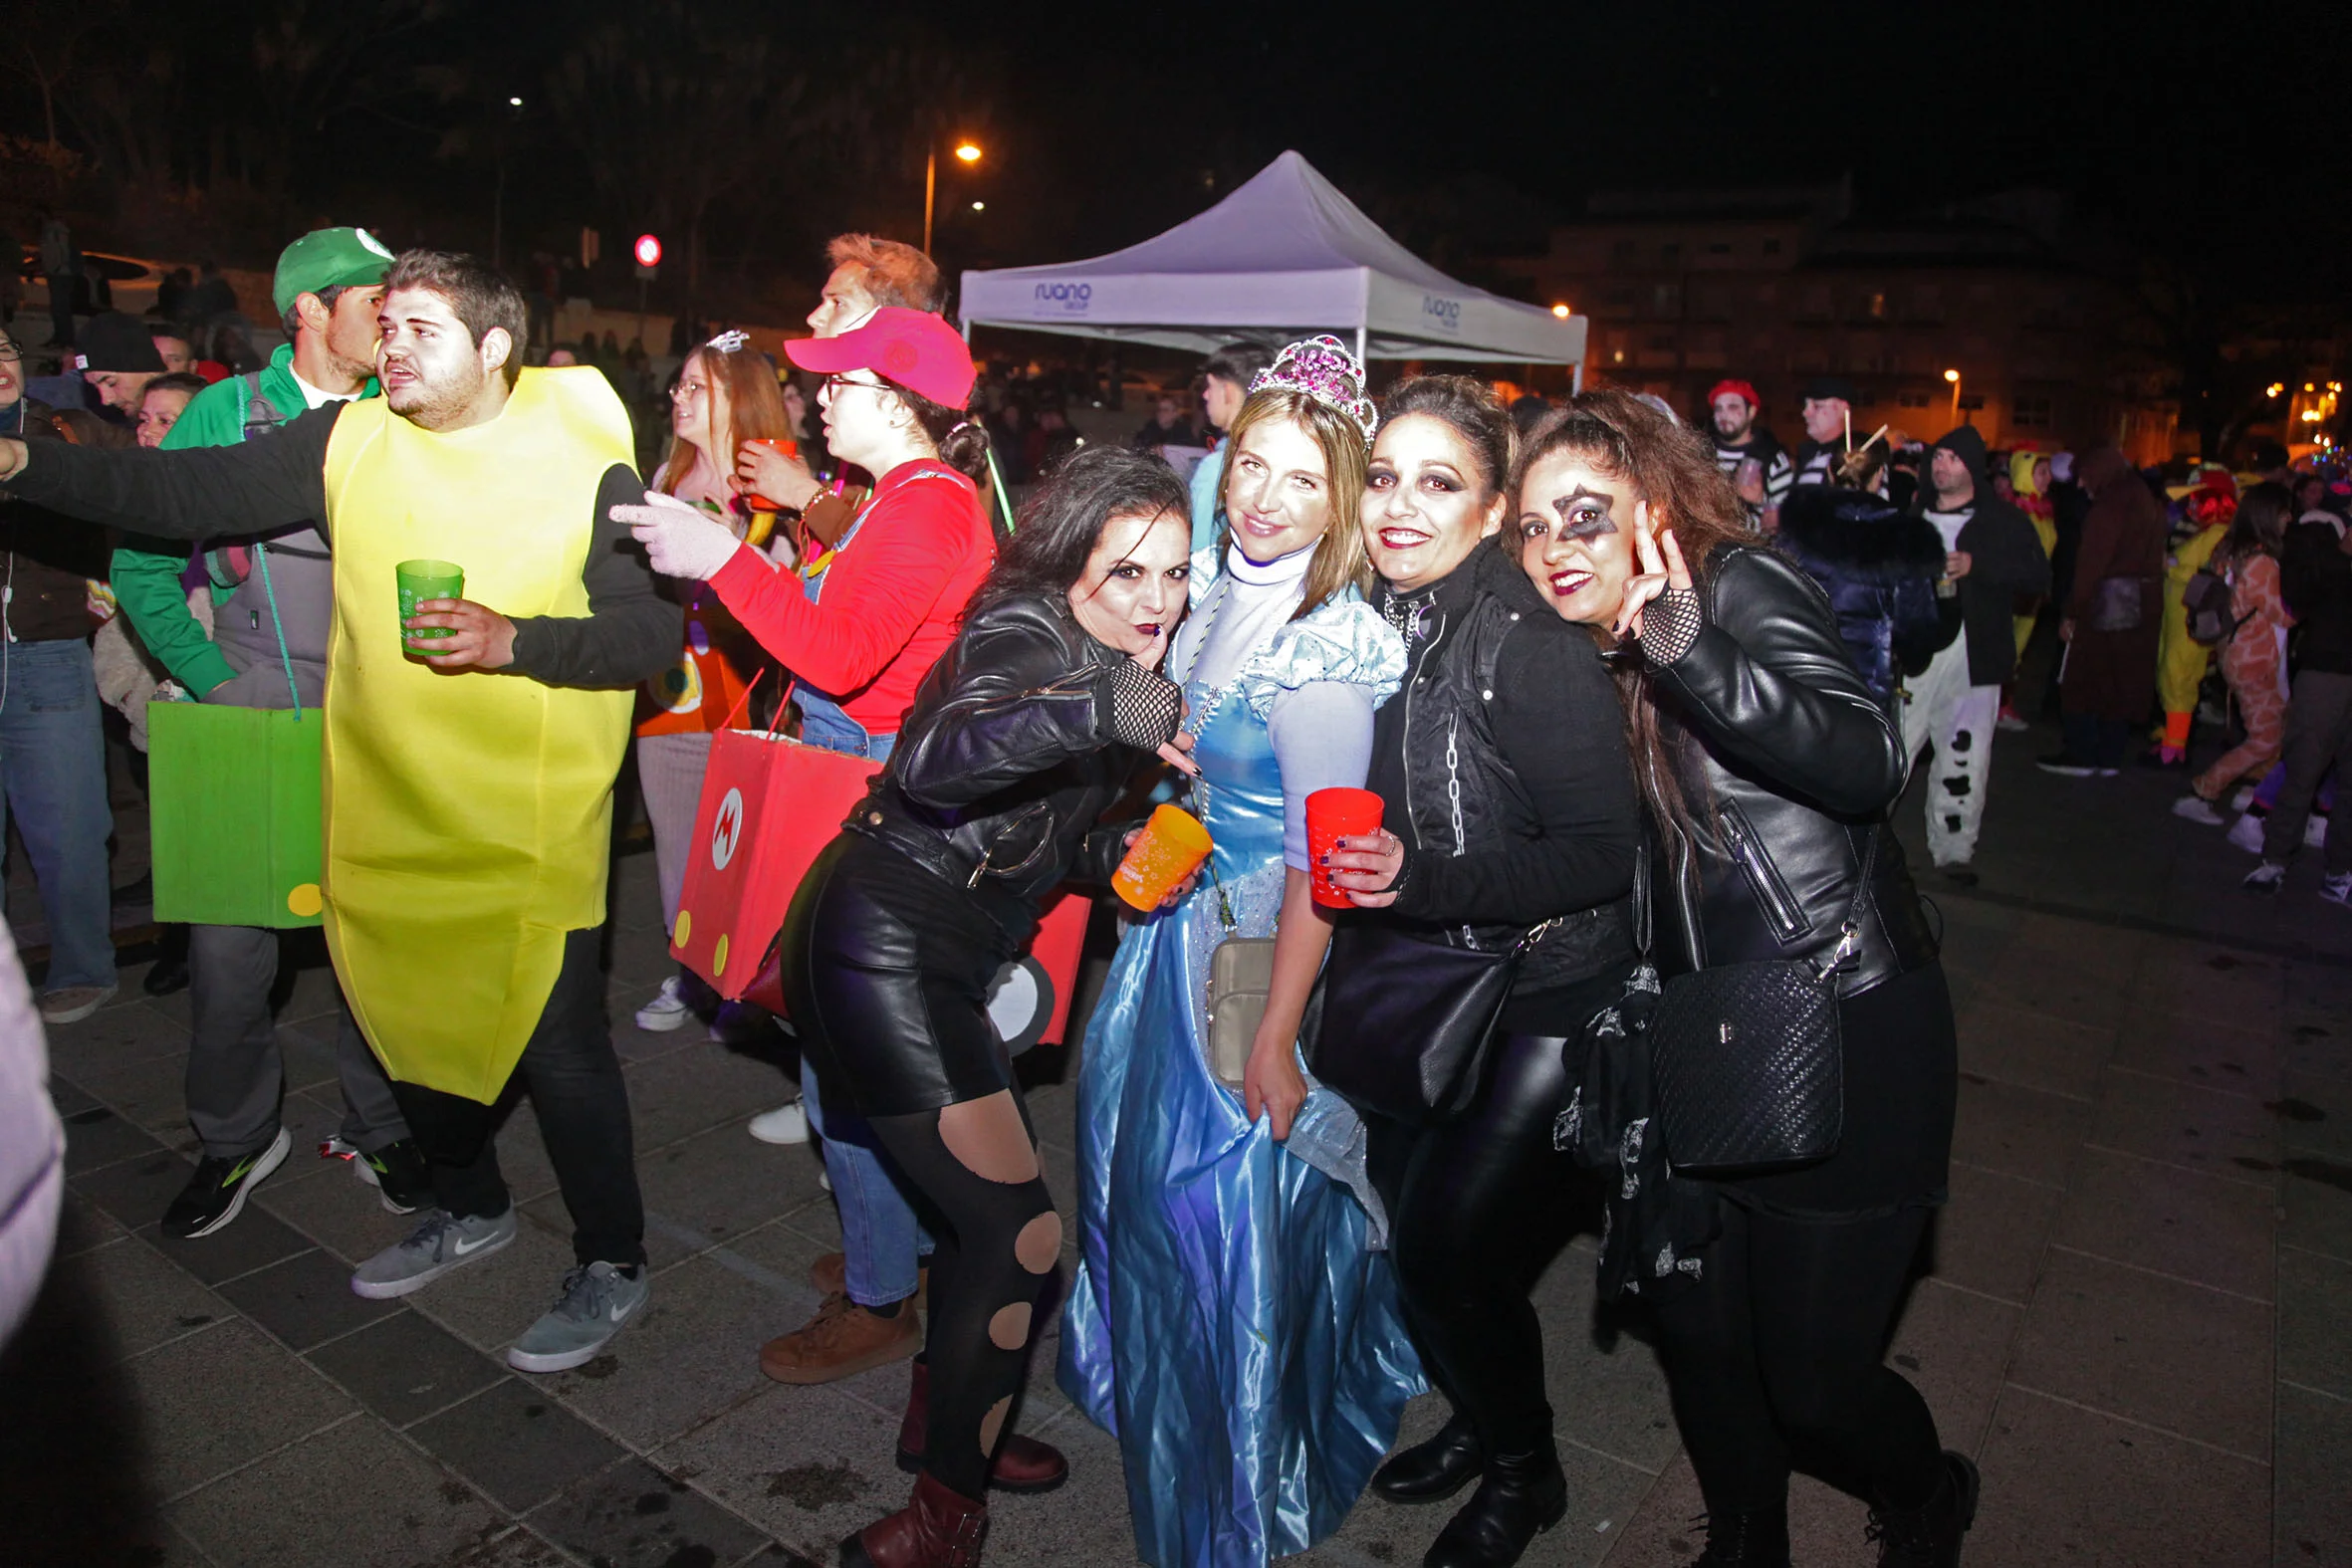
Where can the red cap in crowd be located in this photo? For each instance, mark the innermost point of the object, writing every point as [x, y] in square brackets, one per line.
[1744, 389]
[914, 348]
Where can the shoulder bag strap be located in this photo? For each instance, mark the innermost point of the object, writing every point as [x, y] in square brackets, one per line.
[261, 562]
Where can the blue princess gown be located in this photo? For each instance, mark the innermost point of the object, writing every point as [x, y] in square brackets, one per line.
[1230, 1322]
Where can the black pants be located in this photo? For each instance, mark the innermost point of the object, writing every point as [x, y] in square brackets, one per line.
[583, 1105]
[1477, 1206]
[2095, 742]
[2318, 736]
[997, 1242]
[1775, 1355]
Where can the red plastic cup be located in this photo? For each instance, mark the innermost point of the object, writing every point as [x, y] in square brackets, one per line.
[790, 448]
[1333, 814]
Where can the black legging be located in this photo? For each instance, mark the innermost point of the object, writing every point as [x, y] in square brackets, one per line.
[999, 1242]
[1477, 1206]
[1775, 1353]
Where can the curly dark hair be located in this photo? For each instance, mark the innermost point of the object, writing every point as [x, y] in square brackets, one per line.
[1673, 467]
[1065, 517]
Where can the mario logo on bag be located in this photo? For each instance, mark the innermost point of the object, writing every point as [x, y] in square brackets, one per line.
[726, 830]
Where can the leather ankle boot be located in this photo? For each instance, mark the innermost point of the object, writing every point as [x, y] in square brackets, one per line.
[1929, 1536]
[1519, 1497]
[1746, 1538]
[1435, 1470]
[1022, 1464]
[938, 1528]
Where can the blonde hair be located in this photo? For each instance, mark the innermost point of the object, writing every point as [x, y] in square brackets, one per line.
[1339, 562]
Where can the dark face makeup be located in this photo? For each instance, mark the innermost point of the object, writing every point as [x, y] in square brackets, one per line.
[1575, 528]
[1134, 584]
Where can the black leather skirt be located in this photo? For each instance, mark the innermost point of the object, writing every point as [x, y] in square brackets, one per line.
[886, 973]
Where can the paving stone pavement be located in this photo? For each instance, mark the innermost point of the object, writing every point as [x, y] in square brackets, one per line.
[2134, 1312]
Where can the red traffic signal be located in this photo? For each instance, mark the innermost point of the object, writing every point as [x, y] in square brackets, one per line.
[647, 250]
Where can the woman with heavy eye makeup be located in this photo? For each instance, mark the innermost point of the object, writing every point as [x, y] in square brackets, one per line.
[1768, 769]
[1507, 802]
[1019, 738]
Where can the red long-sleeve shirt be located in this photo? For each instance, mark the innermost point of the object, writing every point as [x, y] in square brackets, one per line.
[892, 600]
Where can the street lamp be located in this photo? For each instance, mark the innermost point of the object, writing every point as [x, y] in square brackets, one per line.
[1561, 310]
[1954, 377]
[966, 153]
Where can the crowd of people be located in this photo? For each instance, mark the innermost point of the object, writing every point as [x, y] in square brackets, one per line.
[1636, 698]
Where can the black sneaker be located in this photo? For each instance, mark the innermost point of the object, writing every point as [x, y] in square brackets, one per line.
[397, 1173]
[217, 1191]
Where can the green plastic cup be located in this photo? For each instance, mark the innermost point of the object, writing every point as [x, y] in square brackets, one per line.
[426, 580]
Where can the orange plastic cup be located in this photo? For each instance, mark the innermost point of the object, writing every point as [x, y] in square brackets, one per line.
[1170, 848]
[1334, 815]
[790, 448]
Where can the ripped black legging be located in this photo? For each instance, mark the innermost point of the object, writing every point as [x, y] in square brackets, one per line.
[975, 1162]
[1775, 1352]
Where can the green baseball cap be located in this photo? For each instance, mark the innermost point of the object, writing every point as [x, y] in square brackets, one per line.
[328, 259]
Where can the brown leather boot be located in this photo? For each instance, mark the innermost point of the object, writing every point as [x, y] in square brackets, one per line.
[938, 1528]
[829, 1276]
[840, 1341]
[1022, 1464]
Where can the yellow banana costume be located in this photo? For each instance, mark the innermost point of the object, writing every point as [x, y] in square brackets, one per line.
[468, 814]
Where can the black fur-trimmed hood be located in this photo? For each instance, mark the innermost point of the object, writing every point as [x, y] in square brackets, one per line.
[1857, 535]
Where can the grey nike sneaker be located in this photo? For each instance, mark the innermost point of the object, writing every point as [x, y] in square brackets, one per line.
[441, 1242]
[598, 1303]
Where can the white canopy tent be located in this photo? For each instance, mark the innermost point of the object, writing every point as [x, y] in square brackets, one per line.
[1284, 255]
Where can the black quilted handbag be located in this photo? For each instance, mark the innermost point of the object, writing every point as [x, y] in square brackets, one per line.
[1749, 1064]
[1403, 1024]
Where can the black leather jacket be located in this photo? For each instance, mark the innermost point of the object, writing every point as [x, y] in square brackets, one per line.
[1507, 733]
[1009, 756]
[1787, 767]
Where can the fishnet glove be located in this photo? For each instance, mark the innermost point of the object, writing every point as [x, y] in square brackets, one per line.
[1145, 708]
[1670, 624]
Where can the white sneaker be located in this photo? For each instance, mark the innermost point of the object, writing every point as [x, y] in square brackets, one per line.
[2315, 832]
[2337, 889]
[785, 1124]
[2243, 799]
[2268, 877]
[2196, 808]
[2247, 833]
[666, 1011]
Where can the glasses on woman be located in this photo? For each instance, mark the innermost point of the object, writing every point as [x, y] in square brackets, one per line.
[10, 354]
[832, 381]
[689, 389]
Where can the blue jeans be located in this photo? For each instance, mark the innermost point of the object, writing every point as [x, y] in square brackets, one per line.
[52, 761]
[883, 1242]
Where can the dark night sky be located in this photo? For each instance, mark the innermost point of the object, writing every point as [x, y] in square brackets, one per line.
[2182, 126]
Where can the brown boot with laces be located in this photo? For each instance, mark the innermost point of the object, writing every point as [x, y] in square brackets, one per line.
[840, 1341]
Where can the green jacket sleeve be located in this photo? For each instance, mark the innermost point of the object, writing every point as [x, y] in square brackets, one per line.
[146, 578]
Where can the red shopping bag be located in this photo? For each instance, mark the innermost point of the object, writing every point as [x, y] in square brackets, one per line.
[769, 805]
[769, 808]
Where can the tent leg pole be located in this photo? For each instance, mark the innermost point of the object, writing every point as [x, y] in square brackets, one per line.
[1577, 379]
[1360, 345]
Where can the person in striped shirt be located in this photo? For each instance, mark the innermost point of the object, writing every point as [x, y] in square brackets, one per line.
[1755, 463]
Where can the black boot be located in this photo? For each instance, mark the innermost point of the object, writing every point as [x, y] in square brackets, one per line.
[1520, 1497]
[1435, 1470]
[1746, 1538]
[1929, 1536]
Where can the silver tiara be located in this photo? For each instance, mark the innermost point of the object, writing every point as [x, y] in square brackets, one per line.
[729, 340]
[1324, 370]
